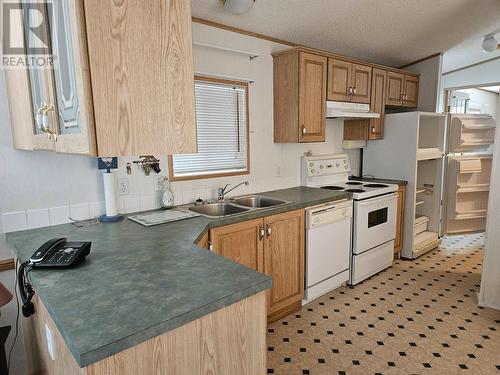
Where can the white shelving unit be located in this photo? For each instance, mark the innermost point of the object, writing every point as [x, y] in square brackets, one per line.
[468, 187]
[413, 150]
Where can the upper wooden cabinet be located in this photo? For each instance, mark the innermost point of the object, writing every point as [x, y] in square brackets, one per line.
[348, 81]
[113, 92]
[402, 90]
[68, 122]
[299, 97]
[364, 129]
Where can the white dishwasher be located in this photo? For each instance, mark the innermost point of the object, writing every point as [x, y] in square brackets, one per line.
[328, 247]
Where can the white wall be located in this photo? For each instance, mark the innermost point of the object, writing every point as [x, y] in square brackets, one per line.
[430, 76]
[485, 74]
[489, 294]
[485, 100]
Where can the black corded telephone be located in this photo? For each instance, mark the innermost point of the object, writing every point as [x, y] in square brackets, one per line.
[56, 253]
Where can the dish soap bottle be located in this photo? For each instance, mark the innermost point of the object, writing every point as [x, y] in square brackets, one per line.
[167, 200]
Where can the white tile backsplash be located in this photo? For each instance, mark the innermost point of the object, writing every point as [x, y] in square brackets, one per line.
[147, 202]
[38, 218]
[79, 211]
[200, 193]
[188, 196]
[14, 221]
[177, 197]
[97, 209]
[132, 204]
[59, 215]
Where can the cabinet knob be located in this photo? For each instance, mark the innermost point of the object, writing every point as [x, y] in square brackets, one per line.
[210, 246]
[373, 129]
[304, 131]
[269, 230]
[354, 90]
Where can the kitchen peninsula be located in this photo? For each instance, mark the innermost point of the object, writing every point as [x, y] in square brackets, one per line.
[147, 300]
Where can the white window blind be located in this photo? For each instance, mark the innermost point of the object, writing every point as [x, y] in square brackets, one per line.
[221, 123]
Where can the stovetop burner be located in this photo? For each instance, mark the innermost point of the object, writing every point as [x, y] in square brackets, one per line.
[355, 190]
[376, 185]
[353, 183]
[333, 187]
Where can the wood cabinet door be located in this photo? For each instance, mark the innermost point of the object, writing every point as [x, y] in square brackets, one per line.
[361, 83]
[339, 80]
[395, 83]
[243, 243]
[312, 97]
[284, 259]
[411, 91]
[376, 127]
[142, 87]
[400, 219]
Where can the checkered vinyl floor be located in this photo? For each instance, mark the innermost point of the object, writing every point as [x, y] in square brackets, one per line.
[417, 317]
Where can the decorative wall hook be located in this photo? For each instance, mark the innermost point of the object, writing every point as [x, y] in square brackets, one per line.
[148, 163]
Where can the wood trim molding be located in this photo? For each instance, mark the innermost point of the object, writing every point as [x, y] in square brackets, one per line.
[244, 84]
[242, 31]
[7, 264]
[471, 65]
[291, 44]
[420, 60]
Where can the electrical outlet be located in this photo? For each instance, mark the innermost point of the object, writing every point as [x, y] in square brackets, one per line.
[123, 186]
[158, 182]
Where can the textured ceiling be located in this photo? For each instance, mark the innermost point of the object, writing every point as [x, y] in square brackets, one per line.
[392, 32]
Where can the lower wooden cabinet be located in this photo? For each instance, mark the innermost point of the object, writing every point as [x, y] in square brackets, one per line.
[398, 242]
[243, 243]
[273, 245]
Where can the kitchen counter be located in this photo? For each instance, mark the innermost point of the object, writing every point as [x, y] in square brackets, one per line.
[140, 282]
[380, 180]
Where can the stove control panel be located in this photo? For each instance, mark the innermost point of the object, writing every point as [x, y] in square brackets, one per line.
[324, 165]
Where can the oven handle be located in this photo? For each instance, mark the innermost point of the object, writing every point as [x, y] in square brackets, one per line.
[384, 198]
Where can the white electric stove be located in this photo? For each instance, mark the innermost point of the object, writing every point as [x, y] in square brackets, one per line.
[374, 212]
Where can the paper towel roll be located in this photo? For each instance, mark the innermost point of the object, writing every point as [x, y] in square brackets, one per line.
[109, 194]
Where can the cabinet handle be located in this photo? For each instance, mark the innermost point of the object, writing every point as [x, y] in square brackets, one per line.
[42, 120]
[210, 246]
[269, 230]
[304, 131]
[354, 90]
[261, 232]
[350, 91]
[373, 129]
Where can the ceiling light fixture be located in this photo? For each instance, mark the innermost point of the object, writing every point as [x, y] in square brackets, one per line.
[489, 43]
[238, 6]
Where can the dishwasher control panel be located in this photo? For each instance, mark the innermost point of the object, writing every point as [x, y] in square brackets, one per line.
[328, 213]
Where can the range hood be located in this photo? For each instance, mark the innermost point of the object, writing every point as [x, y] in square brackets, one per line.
[349, 110]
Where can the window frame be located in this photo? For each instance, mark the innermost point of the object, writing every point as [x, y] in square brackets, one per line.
[224, 81]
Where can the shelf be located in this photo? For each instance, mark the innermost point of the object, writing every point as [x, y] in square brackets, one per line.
[473, 188]
[472, 214]
[419, 219]
[423, 239]
[417, 203]
[429, 153]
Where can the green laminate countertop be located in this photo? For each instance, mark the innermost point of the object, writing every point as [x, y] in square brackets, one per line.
[140, 282]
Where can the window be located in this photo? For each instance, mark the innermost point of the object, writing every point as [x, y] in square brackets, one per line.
[222, 132]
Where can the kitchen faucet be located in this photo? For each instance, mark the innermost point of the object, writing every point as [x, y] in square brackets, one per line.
[222, 190]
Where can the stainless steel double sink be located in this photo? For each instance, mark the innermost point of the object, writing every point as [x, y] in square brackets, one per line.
[236, 205]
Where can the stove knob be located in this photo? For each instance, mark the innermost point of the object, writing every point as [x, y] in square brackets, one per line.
[321, 166]
[345, 166]
[311, 164]
[313, 171]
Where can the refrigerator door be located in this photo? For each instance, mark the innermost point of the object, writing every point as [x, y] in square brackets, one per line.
[469, 133]
[467, 185]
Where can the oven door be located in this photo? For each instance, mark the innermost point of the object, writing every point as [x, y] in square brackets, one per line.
[374, 222]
